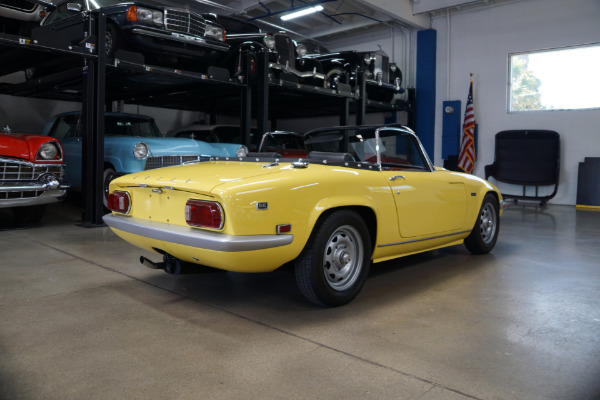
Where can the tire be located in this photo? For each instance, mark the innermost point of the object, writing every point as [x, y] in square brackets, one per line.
[112, 41]
[334, 76]
[482, 238]
[29, 214]
[333, 267]
[107, 177]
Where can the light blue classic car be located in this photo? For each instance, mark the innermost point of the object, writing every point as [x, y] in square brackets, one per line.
[132, 143]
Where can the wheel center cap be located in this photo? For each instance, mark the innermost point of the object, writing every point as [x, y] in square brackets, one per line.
[345, 258]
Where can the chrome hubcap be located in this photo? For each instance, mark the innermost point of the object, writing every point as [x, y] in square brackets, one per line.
[487, 224]
[342, 259]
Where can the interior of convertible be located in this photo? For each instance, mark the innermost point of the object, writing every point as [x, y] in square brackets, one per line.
[398, 149]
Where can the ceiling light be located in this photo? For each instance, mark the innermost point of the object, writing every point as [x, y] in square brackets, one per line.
[301, 13]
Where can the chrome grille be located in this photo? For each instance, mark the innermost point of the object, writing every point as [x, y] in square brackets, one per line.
[169, 161]
[183, 21]
[22, 171]
[20, 195]
[285, 50]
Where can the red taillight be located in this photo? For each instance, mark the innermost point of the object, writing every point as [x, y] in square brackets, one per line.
[132, 13]
[205, 214]
[119, 202]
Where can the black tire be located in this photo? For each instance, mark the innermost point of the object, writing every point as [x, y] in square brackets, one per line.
[29, 214]
[113, 40]
[333, 267]
[484, 235]
[109, 175]
[334, 77]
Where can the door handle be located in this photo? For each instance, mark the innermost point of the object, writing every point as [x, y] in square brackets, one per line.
[393, 178]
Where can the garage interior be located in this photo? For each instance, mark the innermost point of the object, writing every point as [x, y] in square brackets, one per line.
[82, 318]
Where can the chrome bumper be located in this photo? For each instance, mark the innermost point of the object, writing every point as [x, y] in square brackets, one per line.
[300, 74]
[192, 237]
[24, 194]
[183, 38]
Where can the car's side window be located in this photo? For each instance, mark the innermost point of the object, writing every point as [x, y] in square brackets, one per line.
[65, 127]
[60, 13]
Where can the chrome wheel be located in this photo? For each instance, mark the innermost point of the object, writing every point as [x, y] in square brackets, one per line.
[487, 224]
[484, 234]
[335, 262]
[343, 257]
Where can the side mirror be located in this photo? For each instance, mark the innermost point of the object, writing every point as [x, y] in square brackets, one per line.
[75, 7]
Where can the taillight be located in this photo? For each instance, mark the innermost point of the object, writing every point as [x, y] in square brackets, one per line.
[204, 214]
[132, 13]
[119, 202]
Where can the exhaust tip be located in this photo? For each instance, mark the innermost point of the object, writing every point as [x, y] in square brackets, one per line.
[151, 264]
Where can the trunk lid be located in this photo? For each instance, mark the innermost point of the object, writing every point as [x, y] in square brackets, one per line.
[202, 177]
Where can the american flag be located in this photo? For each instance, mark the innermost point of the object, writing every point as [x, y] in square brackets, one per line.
[466, 158]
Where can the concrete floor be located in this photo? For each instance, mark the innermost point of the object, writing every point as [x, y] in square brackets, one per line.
[80, 318]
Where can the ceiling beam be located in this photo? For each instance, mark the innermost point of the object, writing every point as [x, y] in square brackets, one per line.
[400, 10]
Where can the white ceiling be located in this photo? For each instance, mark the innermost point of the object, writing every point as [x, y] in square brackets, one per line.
[341, 17]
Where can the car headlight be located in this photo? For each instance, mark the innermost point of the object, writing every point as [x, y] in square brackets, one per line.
[47, 151]
[242, 151]
[301, 50]
[215, 32]
[141, 150]
[149, 16]
[269, 41]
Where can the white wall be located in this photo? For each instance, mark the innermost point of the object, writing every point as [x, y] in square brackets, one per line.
[480, 42]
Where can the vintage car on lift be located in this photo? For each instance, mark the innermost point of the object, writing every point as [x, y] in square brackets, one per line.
[331, 214]
[163, 31]
[19, 17]
[132, 143]
[31, 174]
[246, 37]
[383, 79]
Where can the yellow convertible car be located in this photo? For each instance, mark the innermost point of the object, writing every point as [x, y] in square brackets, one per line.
[363, 194]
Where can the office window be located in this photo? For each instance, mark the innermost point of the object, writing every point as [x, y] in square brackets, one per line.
[556, 79]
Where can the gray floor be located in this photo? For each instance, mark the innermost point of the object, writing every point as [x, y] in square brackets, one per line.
[80, 318]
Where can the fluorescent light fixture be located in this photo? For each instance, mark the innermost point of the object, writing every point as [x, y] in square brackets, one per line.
[301, 13]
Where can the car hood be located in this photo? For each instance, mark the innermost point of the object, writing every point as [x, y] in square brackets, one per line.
[162, 146]
[202, 177]
[23, 146]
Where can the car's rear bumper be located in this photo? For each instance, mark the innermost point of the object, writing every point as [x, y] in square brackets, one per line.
[180, 38]
[197, 238]
[251, 253]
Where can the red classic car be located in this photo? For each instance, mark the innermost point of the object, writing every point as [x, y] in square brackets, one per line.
[31, 174]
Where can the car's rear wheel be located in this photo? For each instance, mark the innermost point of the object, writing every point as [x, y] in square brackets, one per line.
[333, 267]
[484, 235]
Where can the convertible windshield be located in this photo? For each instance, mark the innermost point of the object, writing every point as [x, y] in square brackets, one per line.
[398, 148]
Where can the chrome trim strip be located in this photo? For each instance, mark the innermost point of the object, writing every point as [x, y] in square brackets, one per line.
[28, 187]
[421, 240]
[301, 74]
[180, 37]
[199, 239]
[48, 197]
